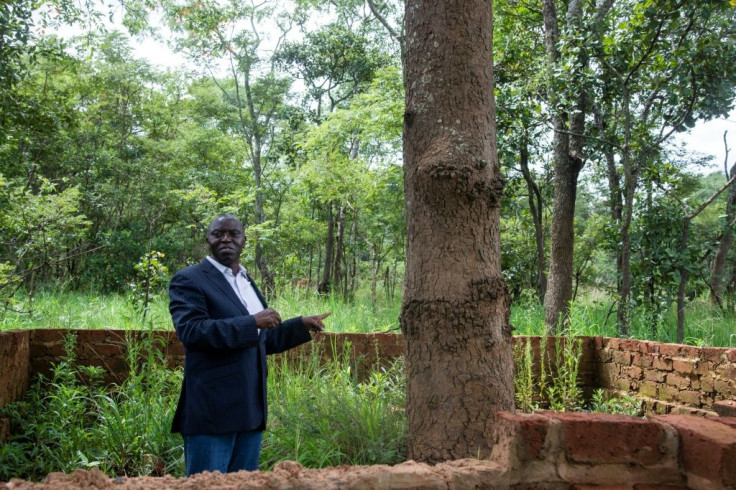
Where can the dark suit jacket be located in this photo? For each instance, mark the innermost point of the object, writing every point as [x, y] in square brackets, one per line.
[224, 387]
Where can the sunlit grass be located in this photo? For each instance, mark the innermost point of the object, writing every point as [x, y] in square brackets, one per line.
[57, 308]
[706, 324]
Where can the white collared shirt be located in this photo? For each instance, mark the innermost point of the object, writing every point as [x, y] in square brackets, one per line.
[241, 286]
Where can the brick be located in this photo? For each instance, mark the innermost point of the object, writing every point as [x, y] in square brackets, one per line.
[730, 354]
[708, 448]
[91, 336]
[689, 351]
[726, 371]
[607, 373]
[622, 357]
[707, 384]
[703, 367]
[680, 382]
[724, 387]
[528, 432]
[654, 375]
[725, 408]
[691, 398]
[683, 366]
[670, 350]
[648, 389]
[104, 350]
[715, 355]
[647, 360]
[662, 363]
[614, 343]
[623, 384]
[653, 347]
[635, 372]
[668, 393]
[48, 335]
[628, 440]
[630, 345]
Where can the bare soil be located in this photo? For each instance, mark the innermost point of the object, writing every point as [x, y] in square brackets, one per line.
[287, 475]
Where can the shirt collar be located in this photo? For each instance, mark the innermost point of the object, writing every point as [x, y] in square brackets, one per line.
[227, 270]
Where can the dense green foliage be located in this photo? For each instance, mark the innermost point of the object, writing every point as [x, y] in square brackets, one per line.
[289, 115]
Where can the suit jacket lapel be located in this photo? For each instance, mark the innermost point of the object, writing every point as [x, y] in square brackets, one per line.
[258, 291]
[216, 278]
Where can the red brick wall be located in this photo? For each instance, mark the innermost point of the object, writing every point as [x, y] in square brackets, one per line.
[14, 372]
[670, 378]
[541, 450]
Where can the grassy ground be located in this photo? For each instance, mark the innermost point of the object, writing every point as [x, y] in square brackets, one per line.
[706, 325]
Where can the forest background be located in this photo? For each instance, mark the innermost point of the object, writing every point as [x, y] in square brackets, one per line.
[290, 114]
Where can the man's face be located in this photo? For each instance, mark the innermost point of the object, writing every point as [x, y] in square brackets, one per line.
[226, 240]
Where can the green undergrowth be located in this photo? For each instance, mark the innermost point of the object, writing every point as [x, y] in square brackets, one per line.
[326, 414]
[321, 414]
[72, 419]
[592, 315]
[546, 377]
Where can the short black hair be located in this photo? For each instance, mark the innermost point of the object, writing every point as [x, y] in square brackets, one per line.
[222, 216]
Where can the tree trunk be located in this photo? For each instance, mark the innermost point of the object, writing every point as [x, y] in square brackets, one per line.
[717, 283]
[324, 286]
[630, 183]
[339, 275]
[268, 284]
[455, 309]
[568, 162]
[536, 207]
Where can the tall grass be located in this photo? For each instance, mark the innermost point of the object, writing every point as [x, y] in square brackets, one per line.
[321, 414]
[706, 324]
[57, 308]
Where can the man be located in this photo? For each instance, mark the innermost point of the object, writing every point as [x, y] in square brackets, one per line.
[227, 330]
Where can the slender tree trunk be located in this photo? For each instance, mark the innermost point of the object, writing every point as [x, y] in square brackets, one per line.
[684, 273]
[339, 276]
[717, 282]
[536, 207]
[630, 181]
[325, 285]
[568, 162]
[268, 284]
[455, 310]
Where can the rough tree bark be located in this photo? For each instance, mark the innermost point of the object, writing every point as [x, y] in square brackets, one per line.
[568, 162]
[455, 310]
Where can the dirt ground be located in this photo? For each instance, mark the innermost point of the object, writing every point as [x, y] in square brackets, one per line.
[287, 475]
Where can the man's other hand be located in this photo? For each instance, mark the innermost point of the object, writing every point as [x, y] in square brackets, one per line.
[268, 318]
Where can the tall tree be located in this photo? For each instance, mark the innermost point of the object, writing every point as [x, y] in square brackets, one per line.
[568, 95]
[661, 70]
[718, 272]
[455, 310]
[229, 39]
